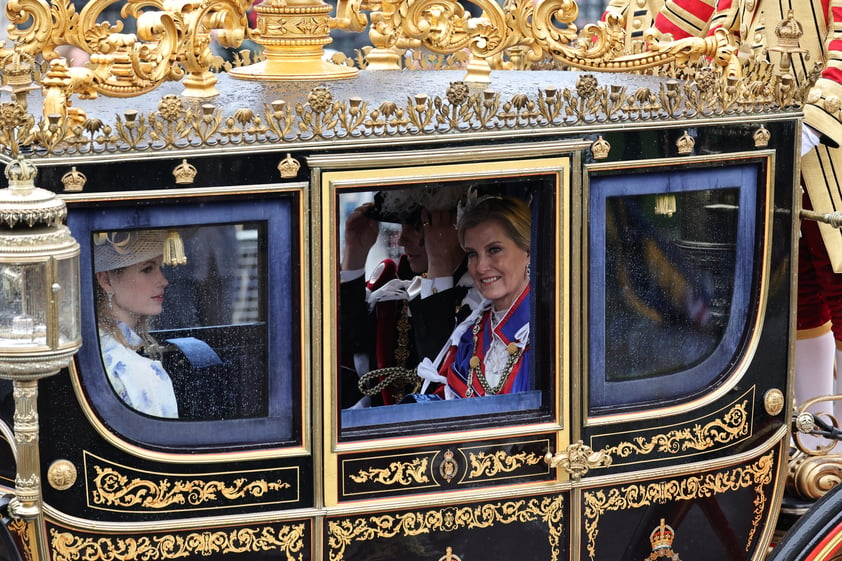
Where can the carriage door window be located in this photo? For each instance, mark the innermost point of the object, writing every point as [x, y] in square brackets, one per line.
[670, 275]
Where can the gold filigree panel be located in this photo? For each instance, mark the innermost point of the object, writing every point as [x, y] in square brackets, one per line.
[725, 427]
[412, 471]
[493, 464]
[396, 473]
[118, 488]
[373, 475]
[173, 41]
[756, 475]
[288, 540]
[341, 533]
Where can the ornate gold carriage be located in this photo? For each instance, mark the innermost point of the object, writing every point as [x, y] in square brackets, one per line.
[662, 180]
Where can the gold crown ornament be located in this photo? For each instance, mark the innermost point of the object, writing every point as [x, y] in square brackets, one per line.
[74, 180]
[600, 148]
[184, 173]
[662, 536]
[289, 167]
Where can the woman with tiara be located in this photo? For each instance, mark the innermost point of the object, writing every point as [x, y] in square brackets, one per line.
[489, 351]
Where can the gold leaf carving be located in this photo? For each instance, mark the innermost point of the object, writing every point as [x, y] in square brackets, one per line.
[175, 125]
[500, 462]
[757, 475]
[342, 533]
[733, 424]
[24, 532]
[401, 473]
[115, 489]
[288, 540]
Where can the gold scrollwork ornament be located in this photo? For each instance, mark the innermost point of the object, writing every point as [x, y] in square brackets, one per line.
[396, 473]
[810, 477]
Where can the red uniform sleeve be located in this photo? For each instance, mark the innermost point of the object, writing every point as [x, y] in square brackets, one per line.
[685, 18]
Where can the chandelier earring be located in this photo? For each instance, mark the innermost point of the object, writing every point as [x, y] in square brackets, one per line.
[110, 300]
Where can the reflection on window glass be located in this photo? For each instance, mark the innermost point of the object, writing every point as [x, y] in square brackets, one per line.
[670, 270]
[181, 320]
[435, 299]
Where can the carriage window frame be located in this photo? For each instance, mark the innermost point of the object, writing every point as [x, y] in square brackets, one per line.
[548, 402]
[750, 175]
[280, 212]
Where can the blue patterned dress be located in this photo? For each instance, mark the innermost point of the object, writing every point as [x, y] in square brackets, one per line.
[142, 383]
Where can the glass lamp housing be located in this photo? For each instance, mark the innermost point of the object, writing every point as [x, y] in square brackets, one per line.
[39, 279]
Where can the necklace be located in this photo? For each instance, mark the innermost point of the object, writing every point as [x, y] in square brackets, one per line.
[475, 362]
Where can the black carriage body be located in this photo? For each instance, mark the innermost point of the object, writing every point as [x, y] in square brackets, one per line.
[662, 321]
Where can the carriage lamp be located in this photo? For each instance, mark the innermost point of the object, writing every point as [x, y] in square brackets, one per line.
[39, 312]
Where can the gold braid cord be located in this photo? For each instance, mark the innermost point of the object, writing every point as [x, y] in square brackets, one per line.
[385, 377]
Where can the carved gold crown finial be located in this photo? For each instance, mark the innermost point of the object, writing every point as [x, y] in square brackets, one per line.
[662, 536]
[74, 180]
[789, 32]
[20, 172]
[17, 72]
[685, 143]
[289, 167]
[24, 203]
[600, 148]
[761, 137]
[184, 173]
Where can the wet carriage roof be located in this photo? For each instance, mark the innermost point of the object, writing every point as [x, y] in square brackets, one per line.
[406, 106]
[374, 87]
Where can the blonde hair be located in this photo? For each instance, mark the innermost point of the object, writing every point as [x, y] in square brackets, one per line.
[511, 213]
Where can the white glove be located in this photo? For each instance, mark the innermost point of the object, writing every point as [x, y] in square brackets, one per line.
[429, 373]
[809, 139]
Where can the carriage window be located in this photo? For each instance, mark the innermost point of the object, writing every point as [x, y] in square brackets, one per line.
[180, 321]
[446, 294]
[184, 315]
[670, 277]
